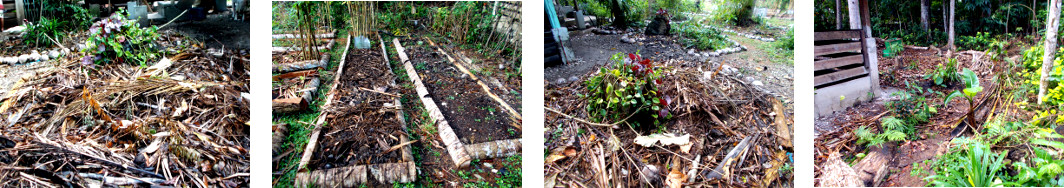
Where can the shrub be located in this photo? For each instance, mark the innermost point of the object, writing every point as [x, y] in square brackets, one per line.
[944, 74]
[702, 38]
[1032, 72]
[974, 166]
[735, 12]
[628, 86]
[116, 39]
[56, 18]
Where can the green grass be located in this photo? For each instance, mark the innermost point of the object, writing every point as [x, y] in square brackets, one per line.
[301, 123]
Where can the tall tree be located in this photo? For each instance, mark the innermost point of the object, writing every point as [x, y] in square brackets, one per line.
[620, 21]
[952, 14]
[924, 17]
[838, 15]
[1052, 22]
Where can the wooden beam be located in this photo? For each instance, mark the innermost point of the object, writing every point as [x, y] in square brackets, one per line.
[837, 48]
[837, 35]
[838, 62]
[840, 75]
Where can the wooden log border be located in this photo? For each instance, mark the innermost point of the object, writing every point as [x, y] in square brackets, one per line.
[350, 176]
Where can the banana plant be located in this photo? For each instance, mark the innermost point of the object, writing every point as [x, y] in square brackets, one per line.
[972, 88]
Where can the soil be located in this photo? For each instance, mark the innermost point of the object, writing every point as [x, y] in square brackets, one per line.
[359, 135]
[359, 127]
[473, 115]
[217, 31]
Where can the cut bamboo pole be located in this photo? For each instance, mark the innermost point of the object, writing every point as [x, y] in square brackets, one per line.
[483, 86]
[453, 145]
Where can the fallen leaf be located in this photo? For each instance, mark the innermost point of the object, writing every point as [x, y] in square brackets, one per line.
[665, 139]
[561, 153]
[675, 179]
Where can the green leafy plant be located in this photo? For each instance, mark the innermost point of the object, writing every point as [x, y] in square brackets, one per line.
[893, 130]
[944, 74]
[976, 166]
[702, 38]
[893, 48]
[912, 107]
[117, 39]
[736, 12]
[972, 88]
[628, 87]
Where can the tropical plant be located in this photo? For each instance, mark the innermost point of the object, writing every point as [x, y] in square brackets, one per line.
[976, 166]
[628, 86]
[972, 88]
[117, 39]
[943, 74]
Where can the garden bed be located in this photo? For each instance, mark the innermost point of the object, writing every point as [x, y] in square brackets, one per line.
[361, 131]
[460, 151]
[472, 113]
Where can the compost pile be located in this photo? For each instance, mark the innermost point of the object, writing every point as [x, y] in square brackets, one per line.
[362, 125]
[177, 123]
[739, 136]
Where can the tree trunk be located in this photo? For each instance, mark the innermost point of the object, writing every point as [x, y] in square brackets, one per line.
[855, 14]
[838, 14]
[952, 14]
[620, 21]
[1052, 23]
[925, 18]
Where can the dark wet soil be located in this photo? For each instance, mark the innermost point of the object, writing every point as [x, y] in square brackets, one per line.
[473, 115]
[217, 31]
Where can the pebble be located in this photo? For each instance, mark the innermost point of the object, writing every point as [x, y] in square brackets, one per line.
[758, 83]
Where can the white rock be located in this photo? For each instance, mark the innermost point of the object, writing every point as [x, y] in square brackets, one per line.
[53, 54]
[758, 83]
[23, 58]
[45, 58]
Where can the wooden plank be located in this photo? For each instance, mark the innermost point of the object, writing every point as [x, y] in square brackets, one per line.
[450, 140]
[840, 75]
[837, 48]
[838, 62]
[837, 35]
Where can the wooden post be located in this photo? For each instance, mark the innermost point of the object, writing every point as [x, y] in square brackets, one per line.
[871, 60]
[838, 14]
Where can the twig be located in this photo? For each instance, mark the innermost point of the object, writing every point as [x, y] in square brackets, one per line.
[43, 141]
[592, 123]
[379, 92]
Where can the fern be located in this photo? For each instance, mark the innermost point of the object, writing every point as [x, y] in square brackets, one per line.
[893, 135]
[891, 123]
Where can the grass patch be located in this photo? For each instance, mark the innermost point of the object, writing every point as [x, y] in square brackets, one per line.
[301, 123]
